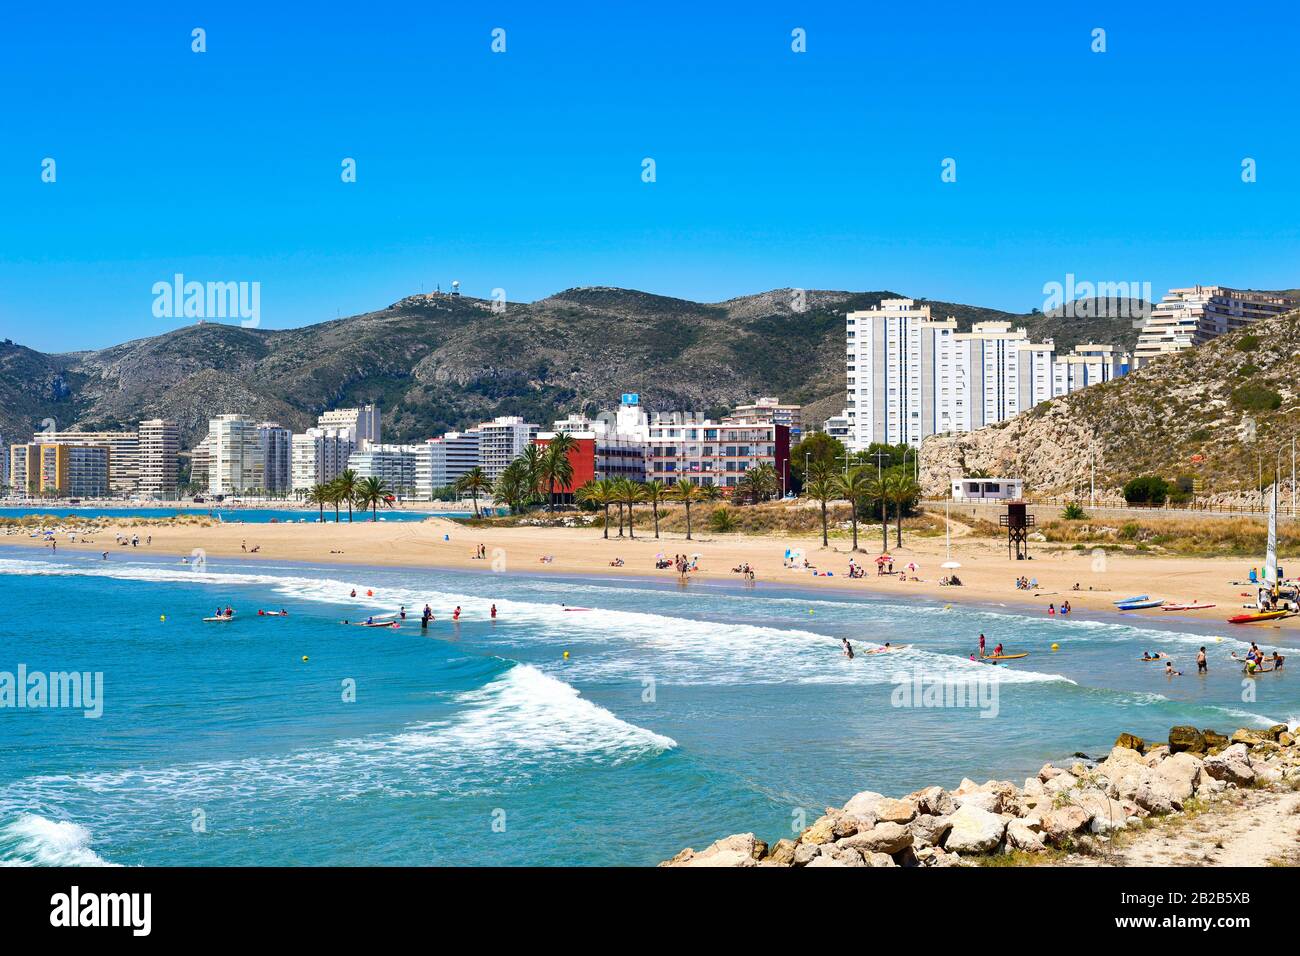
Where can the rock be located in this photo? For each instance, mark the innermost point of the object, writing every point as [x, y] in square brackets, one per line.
[1021, 836]
[1125, 776]
[1285, 739]
[1180, 774]
[1064, 822]
[733, 851]
[1125, 755]
[882, 838]
[1233, 766]
[1061, 782]
[1129, 741]
[1213, 739]
[935, 801]
[1153, 797]
[879, 860]
[837, 856]
[1033, 787]
[805, 853]
[1048, 772]
[929, 830]
[822, 831]
[863, 804]
[1248, 737]
[967, 785]
[1186, 739]
[1106, 814]
[782, 853]
[1275, 731]
[895, 811]
[846, 824]
[974, 830]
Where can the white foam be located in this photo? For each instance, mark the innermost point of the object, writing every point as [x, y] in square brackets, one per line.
[32, 840]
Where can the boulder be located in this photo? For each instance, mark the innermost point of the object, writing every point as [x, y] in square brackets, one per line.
[1153, 797]
[1213, 739]
[1286, 739]
[1248, 737]
[863, 804]
[1064, 822]
[882, 838]
[782, 853]
[967, 785]
[822, 830]
[805, 853]
[1048, 772]
[1124, 777]
[1129, 741]
[733, 851]
[929, 830]
[974, 830]
[1033, 787]
[1233, 766]
[1106, 814]
[1184, 739]
[1061, 783]
[1274, 732]
[1022, 836]
[895, 811]
[879, 860]
[837, 856]
[935, 801]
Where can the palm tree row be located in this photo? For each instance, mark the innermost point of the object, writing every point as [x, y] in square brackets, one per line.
[351, 489]
[858, 486]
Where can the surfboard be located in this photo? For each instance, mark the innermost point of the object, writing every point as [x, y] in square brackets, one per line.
[1187, 607]
[1152, 660]
[1006, 657]
[886, 650]
[214, 620]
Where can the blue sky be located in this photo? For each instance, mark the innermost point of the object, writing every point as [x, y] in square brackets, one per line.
[522, 170]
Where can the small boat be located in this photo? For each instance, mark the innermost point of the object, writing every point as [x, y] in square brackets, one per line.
[1187, 607]
[1130, 600]
[214, 620]
[1005, 657]
[1258, 616]
[1140, 605]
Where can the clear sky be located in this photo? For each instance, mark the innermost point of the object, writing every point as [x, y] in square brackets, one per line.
[523, 170]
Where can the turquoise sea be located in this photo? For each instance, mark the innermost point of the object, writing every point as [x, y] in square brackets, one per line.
[680, 715]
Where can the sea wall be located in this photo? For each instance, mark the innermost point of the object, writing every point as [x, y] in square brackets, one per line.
[1059, 809]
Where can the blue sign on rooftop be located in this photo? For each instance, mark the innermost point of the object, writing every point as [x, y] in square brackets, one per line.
[631, 398]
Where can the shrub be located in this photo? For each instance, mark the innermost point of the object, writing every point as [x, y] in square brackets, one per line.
[722, 521]
[1073, 512]
[1256, 398]
[1146, 490]
[1248, 343]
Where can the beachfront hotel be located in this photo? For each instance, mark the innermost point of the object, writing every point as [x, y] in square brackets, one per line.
[501, 441]
[395, 465]
[276, 445]
[319, 455]
[444, 461]
[683, 446]
[60, 470]
[235, 463]
[124, 474]
[364, 423]
[910, 375]
[1188, 317]
[160, 444]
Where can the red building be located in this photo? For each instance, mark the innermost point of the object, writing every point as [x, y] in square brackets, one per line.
[596, 456]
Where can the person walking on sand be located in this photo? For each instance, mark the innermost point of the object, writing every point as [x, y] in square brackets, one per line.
[1201, 666]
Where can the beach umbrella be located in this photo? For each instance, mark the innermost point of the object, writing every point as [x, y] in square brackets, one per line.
[911, 566]
[951, 565]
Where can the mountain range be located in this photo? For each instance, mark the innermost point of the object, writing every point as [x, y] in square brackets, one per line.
[437, 362]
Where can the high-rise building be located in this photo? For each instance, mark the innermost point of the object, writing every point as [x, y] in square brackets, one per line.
[501, 441]
[160, 444]
[125, 458]
[236, 464]
[911, 376]
[364, 422]
[320, 455]
[395, 465]
[61, 470]
[442, 461]
[1192, 316]
[276, 444]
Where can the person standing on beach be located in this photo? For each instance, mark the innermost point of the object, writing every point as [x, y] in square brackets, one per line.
[1201, 665]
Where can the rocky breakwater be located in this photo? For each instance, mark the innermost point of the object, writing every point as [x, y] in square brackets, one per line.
[1061, 809]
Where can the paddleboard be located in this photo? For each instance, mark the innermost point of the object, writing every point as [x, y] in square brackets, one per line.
[214, 620]
[886, 650]
[1260, 616]
[1006, 657]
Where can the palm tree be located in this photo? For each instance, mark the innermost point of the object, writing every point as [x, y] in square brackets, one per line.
[512, 486]
[903, 490]
[629, 493]
[856, 486]
[654, 493]
[760, 482]
[533, 456]
[474, 483]
[823, 490]
[688, 493]
[370, 494]
[599, 493]
[348, 483]
[334, 497]
[555, 468]
[319, 495]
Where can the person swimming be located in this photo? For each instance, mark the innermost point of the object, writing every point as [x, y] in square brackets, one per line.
[848, 648]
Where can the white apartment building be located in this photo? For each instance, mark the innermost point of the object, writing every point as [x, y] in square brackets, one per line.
[1192, 316]
[124, 460]
[393, 464]
[319, 455]
[276, 444]
[364, 422]
[689, 446]
[160, 443]
[628, 421]
[235, 456]
[501, 441]
[910, 375]
[442, 461]
[771, 409]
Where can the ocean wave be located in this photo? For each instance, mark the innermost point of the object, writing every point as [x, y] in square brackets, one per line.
[33, 840]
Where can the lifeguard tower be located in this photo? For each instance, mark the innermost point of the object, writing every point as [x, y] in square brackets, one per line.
[1017, 521]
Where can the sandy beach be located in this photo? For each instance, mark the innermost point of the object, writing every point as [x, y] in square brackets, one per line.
[987, 574]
